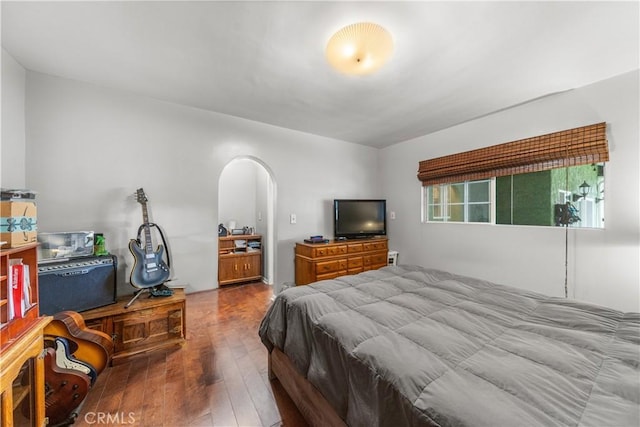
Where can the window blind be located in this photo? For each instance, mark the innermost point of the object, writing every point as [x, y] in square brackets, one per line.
[578, 146]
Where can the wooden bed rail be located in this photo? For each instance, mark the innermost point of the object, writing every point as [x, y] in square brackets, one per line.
[310, 402]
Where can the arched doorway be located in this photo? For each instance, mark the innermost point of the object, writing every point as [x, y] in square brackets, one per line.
[246, 197]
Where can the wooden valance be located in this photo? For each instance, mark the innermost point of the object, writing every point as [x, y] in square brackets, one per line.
[579, 146]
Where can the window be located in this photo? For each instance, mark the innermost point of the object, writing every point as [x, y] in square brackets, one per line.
[571, 196]
[468, 201]
[552, 179]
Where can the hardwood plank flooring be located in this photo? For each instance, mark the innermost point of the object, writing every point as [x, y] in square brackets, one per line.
[217, 378]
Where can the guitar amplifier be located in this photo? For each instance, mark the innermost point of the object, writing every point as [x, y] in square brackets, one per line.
[77, 284]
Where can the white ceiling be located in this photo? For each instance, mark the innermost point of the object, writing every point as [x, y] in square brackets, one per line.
[264, 60]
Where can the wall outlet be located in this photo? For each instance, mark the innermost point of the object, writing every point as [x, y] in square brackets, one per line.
[292, 218]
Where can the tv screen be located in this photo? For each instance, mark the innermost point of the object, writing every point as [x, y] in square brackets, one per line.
[359, 218]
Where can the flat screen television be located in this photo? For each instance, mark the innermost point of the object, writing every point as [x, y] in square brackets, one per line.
[355, 219]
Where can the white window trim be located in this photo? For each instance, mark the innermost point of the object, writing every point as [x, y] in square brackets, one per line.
[444, 203]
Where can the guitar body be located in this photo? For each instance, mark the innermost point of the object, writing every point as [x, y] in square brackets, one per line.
[149, 269]
[65, 389]
[66, 360]
[93, 347]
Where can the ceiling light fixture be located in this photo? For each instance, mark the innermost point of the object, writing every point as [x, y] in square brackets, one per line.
[360, 48]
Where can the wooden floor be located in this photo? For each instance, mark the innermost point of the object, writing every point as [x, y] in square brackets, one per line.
[218, 378]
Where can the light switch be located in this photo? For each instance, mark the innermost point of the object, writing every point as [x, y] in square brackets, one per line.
[392, 215]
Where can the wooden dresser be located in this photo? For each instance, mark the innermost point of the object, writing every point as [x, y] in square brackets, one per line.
[148, 324]
[321, 261]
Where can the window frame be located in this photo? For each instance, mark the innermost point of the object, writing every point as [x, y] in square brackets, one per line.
[445, 203]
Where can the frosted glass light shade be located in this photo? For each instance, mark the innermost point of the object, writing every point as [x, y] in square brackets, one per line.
[360, 48]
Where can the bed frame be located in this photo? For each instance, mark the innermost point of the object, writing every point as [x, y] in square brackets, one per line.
[310, 402]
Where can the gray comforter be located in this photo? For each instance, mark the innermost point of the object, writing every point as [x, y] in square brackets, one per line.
[406, 345]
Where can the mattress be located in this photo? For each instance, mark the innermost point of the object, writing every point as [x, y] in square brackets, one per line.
[411, 346]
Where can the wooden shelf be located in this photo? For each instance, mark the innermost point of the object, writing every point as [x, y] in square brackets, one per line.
[21, 343]
[12, 328]
[19, 393]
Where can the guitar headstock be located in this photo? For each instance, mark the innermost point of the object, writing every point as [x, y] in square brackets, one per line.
[141, 197]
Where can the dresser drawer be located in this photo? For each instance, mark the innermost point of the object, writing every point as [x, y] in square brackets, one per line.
[337, 250]
[355, 262]
[355, 248]
[326, 251]
[331, 266]
[331, 275]
[375, 261]
[320, 252]
[375, 246]
[379, 259]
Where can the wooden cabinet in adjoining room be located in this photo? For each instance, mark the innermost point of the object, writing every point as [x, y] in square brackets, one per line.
[239, 259]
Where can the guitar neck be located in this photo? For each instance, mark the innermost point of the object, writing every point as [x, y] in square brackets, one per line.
[147, 230]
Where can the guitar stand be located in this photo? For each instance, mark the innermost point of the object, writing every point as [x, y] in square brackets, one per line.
[136, 294]
[154, 291]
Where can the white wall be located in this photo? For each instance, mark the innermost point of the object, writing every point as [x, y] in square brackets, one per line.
[12, 149]
[603, 264]
[237, 198]
[89, 148]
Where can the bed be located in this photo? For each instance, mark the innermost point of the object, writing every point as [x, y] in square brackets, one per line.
[411, 346]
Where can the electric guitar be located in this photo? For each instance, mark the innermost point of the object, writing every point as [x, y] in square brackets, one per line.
[149, 269]
[64, 390]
